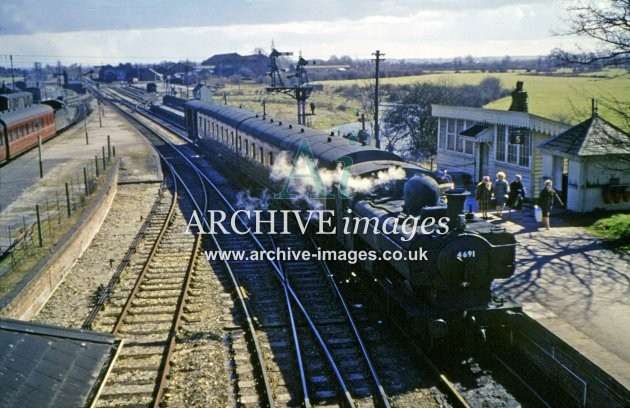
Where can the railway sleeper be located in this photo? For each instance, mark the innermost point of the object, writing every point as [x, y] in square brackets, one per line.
[140, 318]
[128, 331]
[155, 296]
[142, 351]
[137, 370]
[127, 390]
[154, 287]
[158, 310]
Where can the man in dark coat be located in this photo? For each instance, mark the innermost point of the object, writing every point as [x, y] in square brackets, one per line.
[546, 200]
[517, 194]
[483, 195]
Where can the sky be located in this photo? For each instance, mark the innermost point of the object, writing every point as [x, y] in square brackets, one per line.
[91, 32]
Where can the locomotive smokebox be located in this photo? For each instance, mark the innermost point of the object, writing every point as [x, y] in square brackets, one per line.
[455, 200]
[420, 191]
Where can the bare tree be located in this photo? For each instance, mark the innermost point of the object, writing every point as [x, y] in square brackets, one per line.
[410, 130]
[607, 22]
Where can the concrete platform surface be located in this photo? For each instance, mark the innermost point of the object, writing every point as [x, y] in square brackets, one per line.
[63, 159]
[582, 282]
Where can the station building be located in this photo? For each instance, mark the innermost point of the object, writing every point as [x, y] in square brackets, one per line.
[589, 163]
[479, 141]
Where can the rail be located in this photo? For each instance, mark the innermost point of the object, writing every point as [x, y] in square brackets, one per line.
[145, 268]
[382, 395]
[104, 294]
[234, 279]
[290, 295]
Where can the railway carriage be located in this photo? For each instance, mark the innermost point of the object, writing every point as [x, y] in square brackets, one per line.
[19, 129]
[463, 254]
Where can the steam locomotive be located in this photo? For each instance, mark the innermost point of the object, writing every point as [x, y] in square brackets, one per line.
[450, 287]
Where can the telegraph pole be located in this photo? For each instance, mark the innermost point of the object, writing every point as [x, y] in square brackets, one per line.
[12, 76]
[378, 59]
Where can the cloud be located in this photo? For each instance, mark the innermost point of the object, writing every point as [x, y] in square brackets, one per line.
[33, 16]
[403, 29]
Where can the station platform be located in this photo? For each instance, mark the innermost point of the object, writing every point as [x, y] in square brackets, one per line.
[63, 159]
[573, 285]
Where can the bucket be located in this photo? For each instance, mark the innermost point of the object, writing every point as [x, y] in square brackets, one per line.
[538, 213]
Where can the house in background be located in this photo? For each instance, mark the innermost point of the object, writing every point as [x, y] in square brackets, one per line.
[252, 66]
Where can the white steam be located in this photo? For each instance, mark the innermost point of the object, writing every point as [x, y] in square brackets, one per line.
[245, 201]
[305, 187]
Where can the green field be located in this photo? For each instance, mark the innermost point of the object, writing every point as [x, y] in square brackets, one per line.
[332, 109]
[560, 97]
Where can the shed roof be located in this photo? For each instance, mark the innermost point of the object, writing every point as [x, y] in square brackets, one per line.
[499, 117]
[47, 366]
[11, 117]
[16, 95]
[593, 137]
[222, 59]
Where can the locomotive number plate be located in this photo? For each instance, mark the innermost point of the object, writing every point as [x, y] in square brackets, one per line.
[466, 254]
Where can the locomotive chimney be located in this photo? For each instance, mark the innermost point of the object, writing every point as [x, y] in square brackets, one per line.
[455, 200]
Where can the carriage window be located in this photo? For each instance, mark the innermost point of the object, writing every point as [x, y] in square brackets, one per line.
[262, 157]
[271, 158]
[246, 146]
[254, 151]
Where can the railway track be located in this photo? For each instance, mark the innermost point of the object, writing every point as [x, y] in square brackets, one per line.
[145, 309]
[308, 336]
[322, 332]
[295, 322]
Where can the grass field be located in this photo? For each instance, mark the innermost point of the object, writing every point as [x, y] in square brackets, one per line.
[559, 97]
[331, 108]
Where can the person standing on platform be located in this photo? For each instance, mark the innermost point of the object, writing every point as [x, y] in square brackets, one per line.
[446, 178]
[547, 197]
[517, 194]
[501, 190]
[483, 195]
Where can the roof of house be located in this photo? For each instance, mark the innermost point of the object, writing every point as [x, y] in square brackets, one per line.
[593, 137]
[222, 59]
